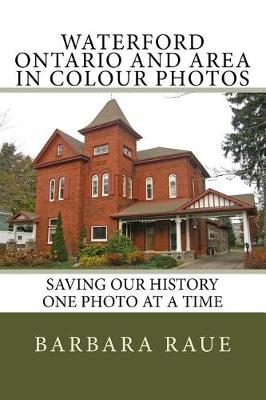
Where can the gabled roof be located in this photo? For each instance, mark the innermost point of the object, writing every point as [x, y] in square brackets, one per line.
[211, 199]
[76, 145]
[146, 208]
[22, 216]
[109, 114]
[246, 197]
[158, 152]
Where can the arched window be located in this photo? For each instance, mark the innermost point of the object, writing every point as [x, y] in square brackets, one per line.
[61, 188]
[94, 186]
[130, 188]
[149, 188]
[51, 190]
[172, 186]
[124, 186]
[105, 185]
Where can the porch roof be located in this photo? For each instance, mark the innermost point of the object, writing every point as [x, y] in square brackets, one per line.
[152, 208]
[22, 217]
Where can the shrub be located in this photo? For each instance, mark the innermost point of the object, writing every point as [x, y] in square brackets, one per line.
[58, 249]
[164, 262]
[91, 250]
[115, 258]
[256, 259]
[24, 257]
[92, 261]
[119, 243]
[135, 257]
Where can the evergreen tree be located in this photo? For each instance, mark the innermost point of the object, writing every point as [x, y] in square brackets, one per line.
[247, 145]
[82, 237]
[58, 249]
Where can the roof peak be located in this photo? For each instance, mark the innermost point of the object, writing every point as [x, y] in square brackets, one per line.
[110, 113]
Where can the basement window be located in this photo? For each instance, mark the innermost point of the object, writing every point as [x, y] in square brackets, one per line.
[103, 149]
[99, 233]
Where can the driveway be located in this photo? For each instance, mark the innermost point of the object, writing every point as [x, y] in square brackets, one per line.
[233, 260]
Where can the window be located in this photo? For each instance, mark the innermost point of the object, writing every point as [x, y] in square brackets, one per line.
[212, 233]
[94, 186]
[105, 185]
[61, 188]
[60, 149]
[149, 188]
[103, 149]
[99, 233]
[51, 190]
[124, 186]
[172, 186]
[127, 152]
[51, 229]
[130, 188]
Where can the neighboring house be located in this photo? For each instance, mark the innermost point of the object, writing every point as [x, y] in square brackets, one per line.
[24, 227]
[156, 196]
[217, 237]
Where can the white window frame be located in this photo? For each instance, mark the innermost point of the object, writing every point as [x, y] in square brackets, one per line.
[61, 187]
[127, 152]
[60, 149]
[51, 228]
[102, 149]
[124, 190]
[51, 190]
[103, 184]
[172, 177]
[95, 179]
[130, 187]
[99, 240]
[149, 178]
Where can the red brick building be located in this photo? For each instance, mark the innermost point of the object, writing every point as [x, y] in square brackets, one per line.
[155, 196]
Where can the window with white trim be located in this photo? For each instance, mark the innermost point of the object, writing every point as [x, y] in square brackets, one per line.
[94, 186]
[124, 186]
[130, 187]
[127, 152]
[105, 185]
[61, 188]
[172, 186]
[99, 233]
[52, 223]
[103, 149]
[149, 188]
[60, 149]
[51, 190]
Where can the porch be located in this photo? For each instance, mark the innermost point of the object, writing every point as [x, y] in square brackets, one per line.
[24, 229]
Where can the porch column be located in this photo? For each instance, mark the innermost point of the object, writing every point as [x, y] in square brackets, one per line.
[15, 232]
[188, 249]
[34, 226]
[246, 231]
[120, 225]
[178, 235]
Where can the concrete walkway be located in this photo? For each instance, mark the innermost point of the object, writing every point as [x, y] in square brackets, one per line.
[233, 260]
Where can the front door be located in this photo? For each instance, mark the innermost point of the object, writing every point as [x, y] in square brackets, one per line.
[149, 237]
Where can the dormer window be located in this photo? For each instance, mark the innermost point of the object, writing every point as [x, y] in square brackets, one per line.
[127, 152]
[103, 149]
[60, 149]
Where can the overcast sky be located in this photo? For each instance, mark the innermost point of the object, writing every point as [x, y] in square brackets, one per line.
[196, 122]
